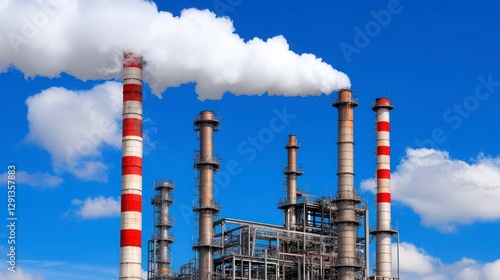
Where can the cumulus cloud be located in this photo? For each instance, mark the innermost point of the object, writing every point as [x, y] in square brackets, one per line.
[446, 192]
[86, 38]
[414, 260]
[37, 180]
[97, 207]
[491, 270]
[20, 274]
[74, 126]
[417, 264]
[54, 269]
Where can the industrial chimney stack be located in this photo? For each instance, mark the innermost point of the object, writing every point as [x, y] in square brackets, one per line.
[291, 172]
[384, 231]
[347, 264]
[159, 252]
[206, 164]
[131, 199]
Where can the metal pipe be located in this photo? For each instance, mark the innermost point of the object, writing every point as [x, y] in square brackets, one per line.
[234, 268]
[346, 199]
[367, 244]
[265, 264]
[384, 231]
[291, 172]
[397, 235]
[131, 197]
[206, 164]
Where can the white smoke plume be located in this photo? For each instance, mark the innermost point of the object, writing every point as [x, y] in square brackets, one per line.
[86, 39]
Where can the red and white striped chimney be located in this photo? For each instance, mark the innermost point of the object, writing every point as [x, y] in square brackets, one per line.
[384, 230]
[131, 199]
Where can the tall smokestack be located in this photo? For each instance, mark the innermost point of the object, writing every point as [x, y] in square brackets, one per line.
[291, 173]
[206, 164]
[384, 231]
[346, 221]
[131, 199]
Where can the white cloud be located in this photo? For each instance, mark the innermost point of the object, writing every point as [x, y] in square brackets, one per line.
[38, 180]
[432, 268]
[73, 126]
[491, 271]
[446, 192]
[60, 270]
[86, 39]
[414, 260]
[19, 274]
[98, 207]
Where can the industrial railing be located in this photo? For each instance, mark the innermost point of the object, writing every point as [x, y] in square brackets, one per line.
[210, 206]
[159, 236]
[215, 121]
[199, 160]
[299, 170]
[164, 221]
[336, 100]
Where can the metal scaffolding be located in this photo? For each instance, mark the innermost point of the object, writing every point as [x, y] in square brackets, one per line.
[159, 251]
[252, 250]
[188, 271]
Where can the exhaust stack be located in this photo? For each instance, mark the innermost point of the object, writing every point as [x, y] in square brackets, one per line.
[160, 255]
[291, 172]
[384, 231]
[206, 124]
[131, 198]
[346, 200]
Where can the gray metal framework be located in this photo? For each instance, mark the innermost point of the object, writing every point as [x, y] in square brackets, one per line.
[159, 251]
[252, 250]
[188, 271]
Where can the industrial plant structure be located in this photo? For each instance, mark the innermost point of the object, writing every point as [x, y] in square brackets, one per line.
[320, 238]
[159, 252]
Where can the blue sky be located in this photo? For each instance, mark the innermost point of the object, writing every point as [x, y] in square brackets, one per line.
[438, 62]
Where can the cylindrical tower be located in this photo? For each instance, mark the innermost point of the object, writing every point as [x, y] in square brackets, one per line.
[291, 172]
[131, 199]
[159, 246]
[347, 264]
[206, 164]
[384, 231]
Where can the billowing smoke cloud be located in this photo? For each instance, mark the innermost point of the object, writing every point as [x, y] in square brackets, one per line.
[86, 39]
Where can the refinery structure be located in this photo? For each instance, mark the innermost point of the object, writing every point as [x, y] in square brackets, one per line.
[320, 237]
